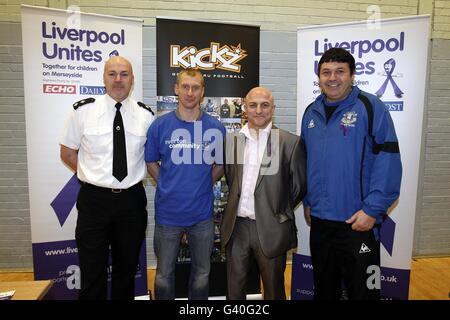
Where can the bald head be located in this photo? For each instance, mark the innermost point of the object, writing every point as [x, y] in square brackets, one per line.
[259, 106]
[118, 60]
[118, 78]
[260, 91]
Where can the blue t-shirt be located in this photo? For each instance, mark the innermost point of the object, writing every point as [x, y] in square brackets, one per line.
[187, 151]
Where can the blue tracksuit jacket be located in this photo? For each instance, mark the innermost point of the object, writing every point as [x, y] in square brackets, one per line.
[347, 169]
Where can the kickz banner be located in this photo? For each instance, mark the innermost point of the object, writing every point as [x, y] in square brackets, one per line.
[385, 52]
[226, 54]
[64, 52]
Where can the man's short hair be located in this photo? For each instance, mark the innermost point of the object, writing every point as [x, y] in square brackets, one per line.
[191, 73]
[338, 55]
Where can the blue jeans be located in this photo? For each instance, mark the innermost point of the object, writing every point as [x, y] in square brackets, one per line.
[166, 246]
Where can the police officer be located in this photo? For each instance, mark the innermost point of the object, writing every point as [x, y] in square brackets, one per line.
[103, 142]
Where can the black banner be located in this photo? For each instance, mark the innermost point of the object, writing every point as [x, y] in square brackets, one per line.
[227, 55]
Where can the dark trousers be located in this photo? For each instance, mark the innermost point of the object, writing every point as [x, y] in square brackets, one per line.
[241, 251]
[344, 257]
[109, 220]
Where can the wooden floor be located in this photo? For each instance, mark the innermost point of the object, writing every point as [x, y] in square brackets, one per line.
[430, 278]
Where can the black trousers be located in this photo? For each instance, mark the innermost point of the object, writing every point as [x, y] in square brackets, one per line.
[115, 221]
[344, 257]
[242, 250]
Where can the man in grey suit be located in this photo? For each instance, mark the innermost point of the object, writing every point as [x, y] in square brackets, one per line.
[265, 171]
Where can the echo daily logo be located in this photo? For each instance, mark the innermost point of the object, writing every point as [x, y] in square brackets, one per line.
[59, 88]
[92, 90]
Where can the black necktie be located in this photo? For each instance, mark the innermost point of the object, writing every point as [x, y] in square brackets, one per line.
[119, 148]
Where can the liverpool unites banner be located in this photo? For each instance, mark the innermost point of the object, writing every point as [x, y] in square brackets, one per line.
[391, 62]
[63, 57]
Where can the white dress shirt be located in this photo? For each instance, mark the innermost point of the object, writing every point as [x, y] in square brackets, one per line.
[89, 130]
[253, 154]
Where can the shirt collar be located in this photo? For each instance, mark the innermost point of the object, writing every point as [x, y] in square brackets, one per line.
[112, 102]
[246, 131]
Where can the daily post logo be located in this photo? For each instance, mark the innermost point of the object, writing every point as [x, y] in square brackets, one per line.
[92, 90]
[215, 57]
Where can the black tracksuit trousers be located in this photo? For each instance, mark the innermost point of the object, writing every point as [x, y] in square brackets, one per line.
[344, 258]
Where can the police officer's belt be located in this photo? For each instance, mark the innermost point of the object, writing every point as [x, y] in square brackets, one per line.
[113, 190]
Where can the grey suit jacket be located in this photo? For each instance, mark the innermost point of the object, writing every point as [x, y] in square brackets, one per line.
[280, 187]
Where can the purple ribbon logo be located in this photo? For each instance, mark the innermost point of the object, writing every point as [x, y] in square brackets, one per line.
[113, 53]
[389, 67]
[66, 199]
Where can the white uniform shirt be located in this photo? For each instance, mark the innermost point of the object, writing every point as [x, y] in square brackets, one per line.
[89, 130]
[253, 154]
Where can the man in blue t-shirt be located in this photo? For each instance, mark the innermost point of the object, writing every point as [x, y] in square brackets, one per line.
[184, 154]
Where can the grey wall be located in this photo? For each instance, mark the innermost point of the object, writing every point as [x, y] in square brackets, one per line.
[15, 232]
[432, 228]
[278, 72]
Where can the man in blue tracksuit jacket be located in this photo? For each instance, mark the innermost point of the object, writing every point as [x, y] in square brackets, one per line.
[353, 176]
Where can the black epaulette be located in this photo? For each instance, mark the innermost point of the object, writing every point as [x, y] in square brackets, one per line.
[146, 107]
[80, 103]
